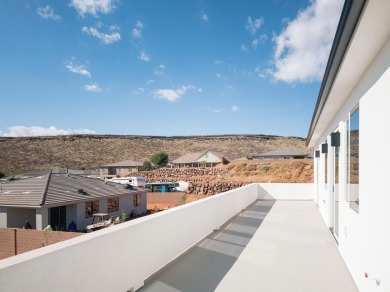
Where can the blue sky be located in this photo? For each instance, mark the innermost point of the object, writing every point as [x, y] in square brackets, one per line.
[172, 67]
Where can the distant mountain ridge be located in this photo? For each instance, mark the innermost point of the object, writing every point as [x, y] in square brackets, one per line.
[22, 154]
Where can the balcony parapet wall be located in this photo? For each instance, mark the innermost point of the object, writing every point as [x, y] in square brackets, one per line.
[121, 257]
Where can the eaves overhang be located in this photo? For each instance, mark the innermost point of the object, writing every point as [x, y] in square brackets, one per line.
[349, 19]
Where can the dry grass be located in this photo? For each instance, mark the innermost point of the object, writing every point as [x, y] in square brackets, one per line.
[18, 155]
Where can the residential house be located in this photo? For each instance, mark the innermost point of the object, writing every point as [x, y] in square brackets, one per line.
[294, 238]
[280, 154]
[60, 198]
[200, 159]
[349, 134]
[120, 169]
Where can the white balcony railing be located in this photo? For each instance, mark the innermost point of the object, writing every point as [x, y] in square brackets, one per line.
[119, 258]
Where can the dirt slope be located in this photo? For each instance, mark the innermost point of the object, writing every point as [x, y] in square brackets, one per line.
[18, 155]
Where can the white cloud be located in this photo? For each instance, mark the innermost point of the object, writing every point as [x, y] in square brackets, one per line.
[160, 70]
[167, 94]
[139, 90]
[48, 13]
[150, 81]
[217, 62]
[244, 48]
[93, 7]
[114, 27]
[106, 38]
[78, 69]
[205, 17]
[137, 30]
[215, 111]
[220, 76]
[173, 95]
[92, 87]
[253, 26]
[235, 108]
[142, 56]
[302, 49]
[22, 131]
[258, 40]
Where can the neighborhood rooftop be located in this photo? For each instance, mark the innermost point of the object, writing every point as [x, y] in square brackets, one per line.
[52, 189]
[282, 152]
[124, 164]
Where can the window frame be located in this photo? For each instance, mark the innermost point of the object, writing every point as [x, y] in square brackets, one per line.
[92, 209]
[137, 200]
[112, 205]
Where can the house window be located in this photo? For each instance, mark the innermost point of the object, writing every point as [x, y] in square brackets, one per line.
[112, 171]
[137, 200]
[91, 208]
[58, 218]
[112, 205]
[353, 160]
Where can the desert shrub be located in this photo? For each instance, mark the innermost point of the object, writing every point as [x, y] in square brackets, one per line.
[159, 159]
[265, 169]
[252, 167]
[230, 166]
[241, 167]
[298, 164]
[2, 174]
[182, 200]
[147, 165]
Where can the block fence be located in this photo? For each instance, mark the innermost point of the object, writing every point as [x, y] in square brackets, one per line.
[15, 241]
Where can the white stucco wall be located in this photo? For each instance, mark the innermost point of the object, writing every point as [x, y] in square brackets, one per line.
[3, 217]
[42, 218]
[119, 258]
[286, 191]
[364, 237]
[374, 239]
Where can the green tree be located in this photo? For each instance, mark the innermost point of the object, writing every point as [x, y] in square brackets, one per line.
[2, 174]
[147, 165]
[159, 159]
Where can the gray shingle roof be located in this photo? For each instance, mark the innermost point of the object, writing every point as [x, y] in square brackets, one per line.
[188, 158]
[280, 152]
[125, 163]
[56, 189]
[196, 156]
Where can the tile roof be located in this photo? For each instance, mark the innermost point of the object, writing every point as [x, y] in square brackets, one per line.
[125, 163]
[28, 191]
[55, 189]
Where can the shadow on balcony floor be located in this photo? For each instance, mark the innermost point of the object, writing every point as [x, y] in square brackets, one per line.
[204, 266]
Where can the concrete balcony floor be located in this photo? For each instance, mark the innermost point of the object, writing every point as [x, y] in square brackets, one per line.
[270, 246]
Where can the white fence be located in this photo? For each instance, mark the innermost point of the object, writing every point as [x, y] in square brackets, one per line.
[119, 258]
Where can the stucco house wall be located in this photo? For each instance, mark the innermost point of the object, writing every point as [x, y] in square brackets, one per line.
[363, 82]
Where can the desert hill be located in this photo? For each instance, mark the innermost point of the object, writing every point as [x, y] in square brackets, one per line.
[22, 154]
